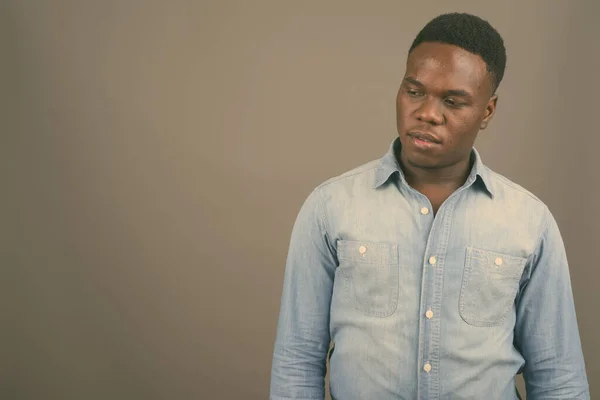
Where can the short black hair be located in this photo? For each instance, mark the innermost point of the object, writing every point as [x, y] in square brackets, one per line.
[471, 33]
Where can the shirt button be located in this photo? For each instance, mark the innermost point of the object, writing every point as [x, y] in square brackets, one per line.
[427, 367]
[362, 249]
[498, 261]
[424, 210]
[429, 314]
[432, 260]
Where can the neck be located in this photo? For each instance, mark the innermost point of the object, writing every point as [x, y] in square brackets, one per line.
[449, 177]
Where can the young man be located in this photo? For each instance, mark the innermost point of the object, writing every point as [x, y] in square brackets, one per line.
[432, 276]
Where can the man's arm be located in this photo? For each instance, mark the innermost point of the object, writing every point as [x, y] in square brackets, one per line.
[546, 331]
[299, 359]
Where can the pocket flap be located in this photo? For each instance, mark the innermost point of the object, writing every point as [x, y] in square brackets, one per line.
[498, 263]
[366, 252]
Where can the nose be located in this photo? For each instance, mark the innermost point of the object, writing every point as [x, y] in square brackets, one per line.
[430, 111]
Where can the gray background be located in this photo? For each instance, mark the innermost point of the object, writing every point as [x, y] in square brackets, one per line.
[154, 156]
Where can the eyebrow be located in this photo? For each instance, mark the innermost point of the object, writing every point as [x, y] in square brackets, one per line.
[451, 92]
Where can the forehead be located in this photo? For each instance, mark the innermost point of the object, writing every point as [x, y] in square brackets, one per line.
[446, 66]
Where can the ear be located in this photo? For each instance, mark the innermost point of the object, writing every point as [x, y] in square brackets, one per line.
[489, 111]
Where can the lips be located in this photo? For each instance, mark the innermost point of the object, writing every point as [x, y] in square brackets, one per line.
[424, 136]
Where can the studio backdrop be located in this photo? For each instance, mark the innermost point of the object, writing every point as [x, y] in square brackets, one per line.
[155, 155]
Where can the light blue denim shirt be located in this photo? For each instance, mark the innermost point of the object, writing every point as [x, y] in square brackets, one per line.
[419, 306]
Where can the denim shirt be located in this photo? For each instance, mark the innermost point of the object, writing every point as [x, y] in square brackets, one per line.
[405, 304]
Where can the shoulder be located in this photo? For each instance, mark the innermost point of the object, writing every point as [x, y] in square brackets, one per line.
[520, 200]
[352, 183]
[510, 190]
[362, 172]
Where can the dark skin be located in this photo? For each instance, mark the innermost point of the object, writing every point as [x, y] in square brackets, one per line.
[445, 98]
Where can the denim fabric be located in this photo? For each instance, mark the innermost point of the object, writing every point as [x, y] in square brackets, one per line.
[424, 306]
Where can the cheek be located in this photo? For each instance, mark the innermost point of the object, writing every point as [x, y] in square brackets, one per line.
[404, 108]
[460, 124]
[462, 129]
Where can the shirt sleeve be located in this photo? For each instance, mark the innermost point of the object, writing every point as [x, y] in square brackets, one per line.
[546, 330]
[302, 341]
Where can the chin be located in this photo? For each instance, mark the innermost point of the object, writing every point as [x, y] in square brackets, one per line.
[422, 162]
[416, 157]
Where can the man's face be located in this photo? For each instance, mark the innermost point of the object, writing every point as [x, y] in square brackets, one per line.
[445, 98]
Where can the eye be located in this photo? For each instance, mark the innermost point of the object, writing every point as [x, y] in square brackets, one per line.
[414, 93]
[452, 102]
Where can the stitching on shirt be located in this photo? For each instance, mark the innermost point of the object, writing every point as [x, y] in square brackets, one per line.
[467, 273]
[438, 296]
[532, 257]
[323, 218]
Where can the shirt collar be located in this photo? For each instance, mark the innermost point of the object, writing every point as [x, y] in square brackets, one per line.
[388, 165]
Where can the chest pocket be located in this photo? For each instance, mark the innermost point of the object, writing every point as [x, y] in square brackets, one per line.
[489, 286]
[369, 271]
